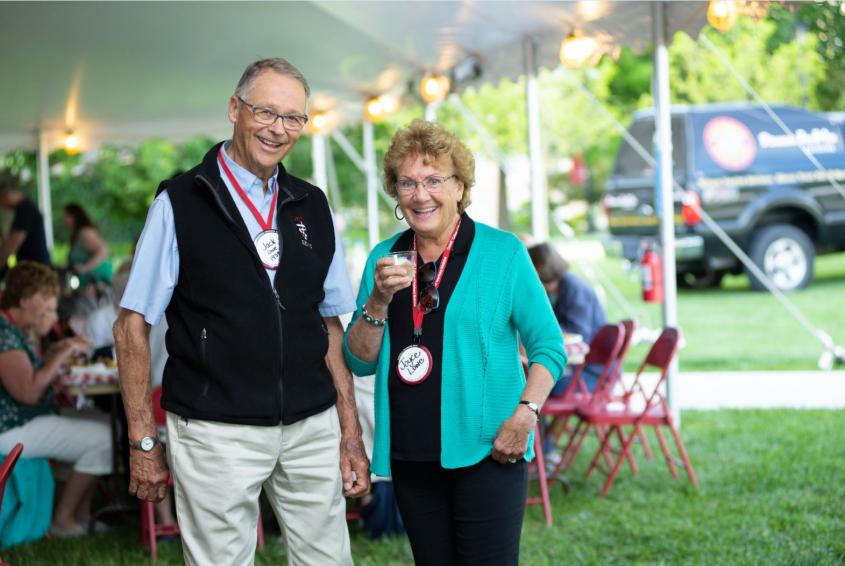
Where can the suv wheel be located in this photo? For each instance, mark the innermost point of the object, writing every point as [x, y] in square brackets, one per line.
[785, 254]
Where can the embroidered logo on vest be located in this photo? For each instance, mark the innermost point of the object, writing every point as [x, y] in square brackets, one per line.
[303, 230]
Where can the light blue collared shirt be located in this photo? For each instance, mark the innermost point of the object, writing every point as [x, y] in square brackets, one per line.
[155, 268]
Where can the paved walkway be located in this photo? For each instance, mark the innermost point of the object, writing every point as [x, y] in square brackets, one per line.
[760, 389]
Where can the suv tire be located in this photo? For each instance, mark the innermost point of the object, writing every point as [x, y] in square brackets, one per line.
[785, 254]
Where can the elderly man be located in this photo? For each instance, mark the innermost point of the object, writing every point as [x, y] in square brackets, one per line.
[244, 261]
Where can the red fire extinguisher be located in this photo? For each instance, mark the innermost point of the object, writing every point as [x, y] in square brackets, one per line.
[652, 272]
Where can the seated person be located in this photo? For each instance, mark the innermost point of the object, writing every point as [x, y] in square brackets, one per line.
[97, 326]
[575, 304]
[27, 411]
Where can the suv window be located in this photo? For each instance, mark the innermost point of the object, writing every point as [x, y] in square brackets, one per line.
[628, 161]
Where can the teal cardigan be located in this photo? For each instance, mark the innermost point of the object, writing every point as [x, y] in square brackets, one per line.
[498, 300]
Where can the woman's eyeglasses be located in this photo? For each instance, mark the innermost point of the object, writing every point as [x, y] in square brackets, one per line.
[429, 298]
[433, 184]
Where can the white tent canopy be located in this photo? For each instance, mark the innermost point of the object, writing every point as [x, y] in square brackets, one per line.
[125, 71]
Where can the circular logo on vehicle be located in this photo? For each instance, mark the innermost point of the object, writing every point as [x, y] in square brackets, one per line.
[729, 143]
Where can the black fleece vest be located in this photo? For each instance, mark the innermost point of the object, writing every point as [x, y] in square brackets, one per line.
[242, 350]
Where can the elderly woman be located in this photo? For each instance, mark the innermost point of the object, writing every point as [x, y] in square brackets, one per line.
[27, 413]
[454, 411]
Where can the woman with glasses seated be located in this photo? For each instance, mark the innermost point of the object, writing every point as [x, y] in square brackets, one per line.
[27, 412]
[454, 412]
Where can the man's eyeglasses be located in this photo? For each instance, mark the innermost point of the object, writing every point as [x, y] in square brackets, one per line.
[268, 117]
[433, 184]
[429, 298]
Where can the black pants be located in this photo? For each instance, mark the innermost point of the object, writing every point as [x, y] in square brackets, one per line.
[465, 516]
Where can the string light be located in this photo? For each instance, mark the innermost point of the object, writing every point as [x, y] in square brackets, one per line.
[71, 142]
[576, 49]
[378, 108]
[722, 14]
[434, 88]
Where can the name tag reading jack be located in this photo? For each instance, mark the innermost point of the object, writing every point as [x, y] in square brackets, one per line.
[414, 364]
[267, 246]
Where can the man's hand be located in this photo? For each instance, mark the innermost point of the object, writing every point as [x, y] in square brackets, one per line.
[511, 442]
[148, 474]
[354, 466]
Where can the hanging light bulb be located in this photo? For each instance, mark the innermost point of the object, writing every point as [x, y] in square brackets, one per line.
[322, 122]
[389, 102]
[378, 108]
[434, 88]
[576, 49]
[374, 109]
[319, 123]
[722, 14]
[71, 143]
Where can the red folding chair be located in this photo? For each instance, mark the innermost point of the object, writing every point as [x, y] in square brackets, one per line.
[150, 530]
[604, 348]
[630, 327]
[5, 472]
[654, 413]
[8, 466]
[603, 394]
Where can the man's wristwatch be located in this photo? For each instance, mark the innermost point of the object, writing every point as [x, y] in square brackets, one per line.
[146, 444]
[535, 408]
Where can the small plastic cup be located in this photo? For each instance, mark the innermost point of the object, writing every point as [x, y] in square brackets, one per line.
[404, 258]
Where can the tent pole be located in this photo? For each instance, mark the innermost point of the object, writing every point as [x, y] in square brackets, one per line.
[45, 204]
[539, 197]
[318, 160]
[664, 201]
[431, 111]
[372, 183]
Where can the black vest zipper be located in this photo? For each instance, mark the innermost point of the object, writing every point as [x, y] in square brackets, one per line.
[281, 309]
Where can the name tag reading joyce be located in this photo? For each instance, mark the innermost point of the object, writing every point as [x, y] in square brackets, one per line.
[414, 364]
[267, 246]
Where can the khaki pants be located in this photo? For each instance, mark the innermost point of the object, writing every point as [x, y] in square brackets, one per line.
[219, 470]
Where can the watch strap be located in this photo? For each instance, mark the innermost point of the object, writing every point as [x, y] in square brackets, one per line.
[138, 444]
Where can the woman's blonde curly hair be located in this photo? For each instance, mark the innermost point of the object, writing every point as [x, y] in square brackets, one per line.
[431, 141]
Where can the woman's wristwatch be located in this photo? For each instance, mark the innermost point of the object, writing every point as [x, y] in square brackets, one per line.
[535, 408]
[371, 319]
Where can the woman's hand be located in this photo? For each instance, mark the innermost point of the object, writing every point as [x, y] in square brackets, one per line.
[389, 278]
[69, 347]
[511, 442]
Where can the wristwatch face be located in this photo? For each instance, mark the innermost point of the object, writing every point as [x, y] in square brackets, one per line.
[147, 443]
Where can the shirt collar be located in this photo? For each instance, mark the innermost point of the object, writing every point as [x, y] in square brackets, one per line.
[252, 184]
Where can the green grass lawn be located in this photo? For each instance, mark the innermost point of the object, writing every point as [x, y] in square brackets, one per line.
[772, 492]
[734, 328]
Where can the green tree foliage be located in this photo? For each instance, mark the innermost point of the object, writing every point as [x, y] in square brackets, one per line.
[788, 73]
[823, 23]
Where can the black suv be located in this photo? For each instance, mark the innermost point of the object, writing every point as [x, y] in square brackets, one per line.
[750, 177]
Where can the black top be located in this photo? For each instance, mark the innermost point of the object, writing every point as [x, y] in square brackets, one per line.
[28, 219]
[240, 350]
[415, 409]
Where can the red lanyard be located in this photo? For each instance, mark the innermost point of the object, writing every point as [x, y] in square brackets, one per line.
[417, 312]
[265, 224]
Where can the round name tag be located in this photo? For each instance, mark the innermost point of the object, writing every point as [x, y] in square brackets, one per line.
[267, 245]
[414, 364]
